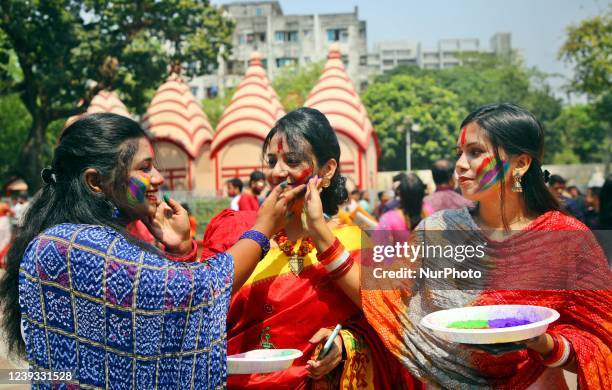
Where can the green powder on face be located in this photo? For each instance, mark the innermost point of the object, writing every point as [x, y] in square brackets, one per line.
[469, 324]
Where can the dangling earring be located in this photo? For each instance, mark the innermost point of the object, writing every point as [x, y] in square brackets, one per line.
[516, 186]
[325, 182]
[116, 213]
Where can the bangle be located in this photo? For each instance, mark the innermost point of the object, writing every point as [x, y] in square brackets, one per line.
[259, 238]
[331, 253]
[560, 353]
[325, 254]
[190, 256]
[343, 269]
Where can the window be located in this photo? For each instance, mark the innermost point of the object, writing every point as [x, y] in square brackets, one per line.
[250, 38]
[363, 60]
[286, 36]
[337, 35]
[258, 12]
[241, 39]
[388, 62]
[345, 60]
[403, 53]
[212, 92]
[284, 61]
[261, 37]
[388, 53]
[307, 33]
[406, 62]
[194, 91]
[306, 60]
[264, 63]
[362, 33]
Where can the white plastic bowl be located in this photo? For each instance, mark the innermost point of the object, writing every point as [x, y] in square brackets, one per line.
[539, 316]
[261, 361]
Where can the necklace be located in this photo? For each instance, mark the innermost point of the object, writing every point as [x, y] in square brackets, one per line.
[296, 260]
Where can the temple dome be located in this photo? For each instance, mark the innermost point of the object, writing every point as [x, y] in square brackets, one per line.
[175, 115]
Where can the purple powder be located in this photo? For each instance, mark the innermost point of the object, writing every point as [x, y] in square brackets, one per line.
[507, 322]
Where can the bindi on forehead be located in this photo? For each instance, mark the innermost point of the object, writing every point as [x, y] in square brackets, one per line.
[463, 136]
[279, 146]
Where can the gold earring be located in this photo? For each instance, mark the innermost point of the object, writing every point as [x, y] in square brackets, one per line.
[325, 182]
[516, 186]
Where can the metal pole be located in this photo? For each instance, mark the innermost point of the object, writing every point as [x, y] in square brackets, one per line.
[408, 164]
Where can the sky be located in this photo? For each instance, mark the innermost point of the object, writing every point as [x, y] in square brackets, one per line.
[537, 26]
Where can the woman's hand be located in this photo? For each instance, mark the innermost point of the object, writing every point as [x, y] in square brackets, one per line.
[315, 224]
[170, 225]
[318, 368]
[272, 215]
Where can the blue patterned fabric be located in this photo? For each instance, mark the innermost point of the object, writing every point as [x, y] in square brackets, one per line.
[120, 317]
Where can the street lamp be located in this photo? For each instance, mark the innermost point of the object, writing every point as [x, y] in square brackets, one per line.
[409, 127]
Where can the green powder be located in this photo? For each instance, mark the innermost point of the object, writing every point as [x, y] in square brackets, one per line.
[469, 324]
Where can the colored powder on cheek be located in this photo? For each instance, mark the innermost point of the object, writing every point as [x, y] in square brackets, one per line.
[463, 135]
[486, 164]
[303, 176]
[492, 176]
[137, 187]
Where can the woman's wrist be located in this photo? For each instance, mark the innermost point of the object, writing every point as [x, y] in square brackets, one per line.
[184, 248]
[542, 344]
[321, 235]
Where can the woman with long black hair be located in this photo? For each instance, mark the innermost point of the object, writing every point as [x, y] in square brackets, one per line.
[535, 255]
[81, 295]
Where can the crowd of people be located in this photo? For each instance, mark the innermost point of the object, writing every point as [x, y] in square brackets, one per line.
[284, 264]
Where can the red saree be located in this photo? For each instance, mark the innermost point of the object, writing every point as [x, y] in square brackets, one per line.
[277, 309]
[533, 257]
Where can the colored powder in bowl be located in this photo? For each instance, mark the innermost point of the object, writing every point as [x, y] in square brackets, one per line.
[469, 324]
[507, 322]
[488, 324]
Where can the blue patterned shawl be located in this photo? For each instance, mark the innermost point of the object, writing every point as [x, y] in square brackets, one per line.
[120, 317]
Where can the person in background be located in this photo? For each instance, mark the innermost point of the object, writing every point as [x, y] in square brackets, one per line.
[19, 209]
[364, 201]
[445, 196]
[394, 202]
[5, 230]
[410, 210]
[249, 200]
[193, 223]
[383, 198]
[234, 191]
[592, 202]
[557, 185]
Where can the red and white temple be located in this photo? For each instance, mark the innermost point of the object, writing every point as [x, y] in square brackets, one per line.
[335, 96]
[252, 112]
[104, 101]
[182, 137]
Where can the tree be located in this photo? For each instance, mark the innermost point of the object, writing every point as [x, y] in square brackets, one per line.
[407, 101]
[294, 83]
[61, 44]
[589, 48]
[214, 107]
[576, 137]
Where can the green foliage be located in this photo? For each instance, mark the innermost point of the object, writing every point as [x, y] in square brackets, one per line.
[14, 123]
[589, 48]
[482, 79]
[214, 107]
[406, 101]
[293, 84]
[127, 45]
[576, 136]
